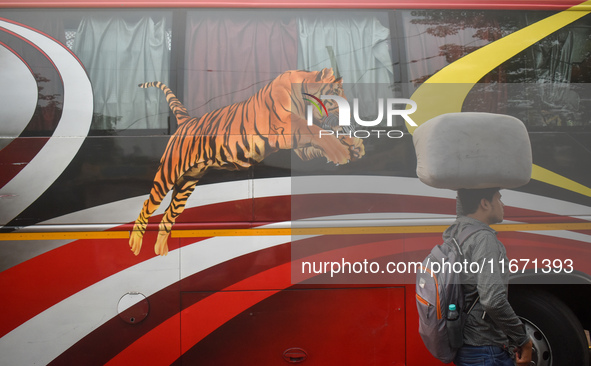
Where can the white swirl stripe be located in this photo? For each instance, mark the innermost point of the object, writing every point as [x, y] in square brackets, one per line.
[67, 138]
[17, 105]
[53, 331]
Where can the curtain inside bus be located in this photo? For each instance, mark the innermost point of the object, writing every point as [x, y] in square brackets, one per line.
[361, 48]
[227, 55]
[231, 55]
[118, 55]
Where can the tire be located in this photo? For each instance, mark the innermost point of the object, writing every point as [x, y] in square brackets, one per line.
[557, 334]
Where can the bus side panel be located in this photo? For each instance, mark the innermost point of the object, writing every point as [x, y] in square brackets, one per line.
[363, 326]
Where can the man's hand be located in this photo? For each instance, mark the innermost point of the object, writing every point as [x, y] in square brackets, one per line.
[523, 354]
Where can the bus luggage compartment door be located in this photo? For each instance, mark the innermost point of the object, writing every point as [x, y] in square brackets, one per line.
[335, 326]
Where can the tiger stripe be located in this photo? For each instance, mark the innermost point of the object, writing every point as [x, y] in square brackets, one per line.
[235, 137]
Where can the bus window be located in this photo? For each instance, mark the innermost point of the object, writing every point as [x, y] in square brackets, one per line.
[544, 85]
[436, 38]
[118, 49]
[230, 55]
[556, 71]
[37, 104]
[356, 44]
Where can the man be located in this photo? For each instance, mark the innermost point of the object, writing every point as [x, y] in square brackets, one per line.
[492, 326]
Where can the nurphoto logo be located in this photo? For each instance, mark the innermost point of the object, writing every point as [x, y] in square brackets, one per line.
[345, 116]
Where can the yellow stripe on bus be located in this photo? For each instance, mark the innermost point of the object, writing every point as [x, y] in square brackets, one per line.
[461, 75]
[66, 235]
[446, 90]
[363, 230]
[372, 230]
[547, 176]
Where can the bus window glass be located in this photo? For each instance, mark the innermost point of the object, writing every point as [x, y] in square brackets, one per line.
[358, 45]
[118, 49]
[545, 85]
[230, 55]
[436, 38]
[554, 77]
[119, 52]
[37, 104]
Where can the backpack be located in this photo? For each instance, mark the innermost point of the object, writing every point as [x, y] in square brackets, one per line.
[435, 291]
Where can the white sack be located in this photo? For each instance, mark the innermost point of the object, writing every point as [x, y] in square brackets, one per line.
[473, 150]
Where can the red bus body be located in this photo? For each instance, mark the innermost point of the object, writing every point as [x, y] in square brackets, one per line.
[80, 145]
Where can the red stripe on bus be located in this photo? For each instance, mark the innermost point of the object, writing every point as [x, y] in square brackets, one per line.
[43, 281]
[413, 244]
[114, 336]
[209, 314]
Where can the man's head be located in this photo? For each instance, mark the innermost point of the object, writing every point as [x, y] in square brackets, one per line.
[482, 204]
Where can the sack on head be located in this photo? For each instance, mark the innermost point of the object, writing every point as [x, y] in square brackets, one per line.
[473, 150]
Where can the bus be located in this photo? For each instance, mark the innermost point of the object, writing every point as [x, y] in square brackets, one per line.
[177, 187]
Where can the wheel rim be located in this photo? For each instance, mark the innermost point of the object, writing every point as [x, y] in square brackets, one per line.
[542, 352]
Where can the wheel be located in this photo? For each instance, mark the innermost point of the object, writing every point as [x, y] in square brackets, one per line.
[557, 335]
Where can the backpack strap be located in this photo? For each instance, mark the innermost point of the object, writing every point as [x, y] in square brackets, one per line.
[469, 310]
[464, 235]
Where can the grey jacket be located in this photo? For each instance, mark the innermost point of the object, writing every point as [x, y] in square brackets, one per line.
[492, 321]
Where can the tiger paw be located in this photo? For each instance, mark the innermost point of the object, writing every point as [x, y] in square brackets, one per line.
[161, 246]
[355, 145]
[357, 150]
[135, 242]
[334, 151]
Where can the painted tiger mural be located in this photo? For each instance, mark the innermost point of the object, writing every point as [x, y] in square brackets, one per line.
[235, 136]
